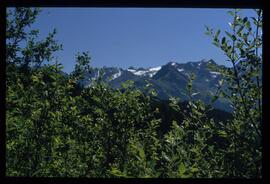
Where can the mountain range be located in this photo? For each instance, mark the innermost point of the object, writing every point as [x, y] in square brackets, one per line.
[168, 80]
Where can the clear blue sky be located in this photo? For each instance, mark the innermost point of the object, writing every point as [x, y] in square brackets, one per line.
[139, 37]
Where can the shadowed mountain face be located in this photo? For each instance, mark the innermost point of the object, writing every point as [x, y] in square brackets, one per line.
[168, 80]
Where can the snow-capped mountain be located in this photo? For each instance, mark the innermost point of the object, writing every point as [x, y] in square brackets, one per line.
[168, 80]
[150, 72]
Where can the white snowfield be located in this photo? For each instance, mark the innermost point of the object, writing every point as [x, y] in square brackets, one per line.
[131, 70]
[180, 69]
[214, 74]
[193, 94]
[151, 71]
[117, 75]
[155, 69]
[140, 72]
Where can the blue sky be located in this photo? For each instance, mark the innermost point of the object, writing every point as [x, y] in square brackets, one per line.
[139, 37]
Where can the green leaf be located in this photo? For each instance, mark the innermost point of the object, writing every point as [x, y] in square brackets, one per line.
[239, 30]
[223, 40]
[222, 133]
[35, 78]
[193, 169]
[181, 169]
[215, 43]
[229, 35]
[214, 98]
[217, 34]
[153, 93]
[247, 24]
[233, 37]
[231, 13]
[255, 22]
[141, 153]
[208, 31]
[114, 171]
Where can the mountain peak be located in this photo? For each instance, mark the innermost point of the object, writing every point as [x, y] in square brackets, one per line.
[172, 63]
[211, 61]
[168, 80]
[132, 68]
[204, 60]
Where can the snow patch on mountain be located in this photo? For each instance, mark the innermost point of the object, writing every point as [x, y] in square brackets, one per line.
[137, 72]
[214, 74]
[117, 75]
[193, 94]
[155, 69]
[180, 71]
[131, 70]
[140, 72]
[148, 72]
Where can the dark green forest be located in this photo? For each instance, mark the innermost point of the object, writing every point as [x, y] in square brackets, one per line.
[57, 128]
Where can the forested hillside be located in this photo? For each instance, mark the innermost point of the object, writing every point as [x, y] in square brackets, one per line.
[57, 128]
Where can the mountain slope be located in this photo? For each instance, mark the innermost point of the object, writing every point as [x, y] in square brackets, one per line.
[168, 80]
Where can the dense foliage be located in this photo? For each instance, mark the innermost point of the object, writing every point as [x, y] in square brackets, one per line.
[55, 127]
